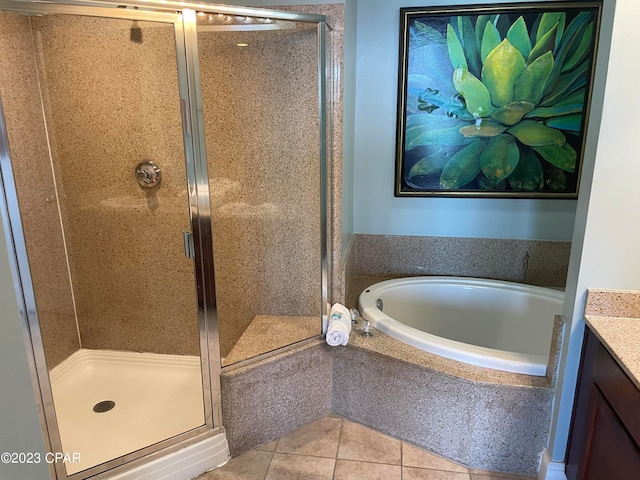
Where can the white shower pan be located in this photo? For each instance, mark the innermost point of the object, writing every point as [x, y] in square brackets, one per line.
[156, 397]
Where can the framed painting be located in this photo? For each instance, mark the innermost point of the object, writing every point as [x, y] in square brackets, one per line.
[494, 100]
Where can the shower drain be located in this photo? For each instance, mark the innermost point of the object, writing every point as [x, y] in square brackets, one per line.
[104, 406]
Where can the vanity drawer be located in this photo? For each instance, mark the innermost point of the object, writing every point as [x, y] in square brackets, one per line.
[619, 391]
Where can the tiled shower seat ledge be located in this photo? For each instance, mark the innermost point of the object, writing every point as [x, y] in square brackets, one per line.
[266, 333]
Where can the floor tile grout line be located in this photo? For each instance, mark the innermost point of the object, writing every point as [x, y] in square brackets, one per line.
[442, 457]
[335, 463]
[273, 454]
[477, 474]
[373, 463]
[294, 454]
[446, 471]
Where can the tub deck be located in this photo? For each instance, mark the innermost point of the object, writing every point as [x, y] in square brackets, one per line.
[495, 324]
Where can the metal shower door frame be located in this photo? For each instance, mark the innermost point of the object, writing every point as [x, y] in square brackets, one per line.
[187, 58]
[198, 201]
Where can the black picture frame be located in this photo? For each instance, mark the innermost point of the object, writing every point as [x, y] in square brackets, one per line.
[493, 101]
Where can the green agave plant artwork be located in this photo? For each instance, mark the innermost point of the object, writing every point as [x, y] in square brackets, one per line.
[494, 103]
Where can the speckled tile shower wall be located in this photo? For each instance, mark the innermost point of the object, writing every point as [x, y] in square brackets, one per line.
[335, 16]
[112, 110]
[261, 122]
[36, 189]
[335, 49]
[533, 262]
[114, 103]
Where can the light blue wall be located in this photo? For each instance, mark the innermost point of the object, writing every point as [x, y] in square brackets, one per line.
[368, 204]
[606, 253]
[376, 210]
[19, 424]
[607, 224]
[349, 77]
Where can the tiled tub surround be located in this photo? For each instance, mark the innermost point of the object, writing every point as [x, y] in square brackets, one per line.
[476, 417]
[379, 257]
[482, 418]
[272, 397]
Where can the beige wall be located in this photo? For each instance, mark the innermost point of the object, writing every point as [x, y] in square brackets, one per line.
[114, 103]
[261, 111]
[261, 121]
[109, 108]
[36, 189]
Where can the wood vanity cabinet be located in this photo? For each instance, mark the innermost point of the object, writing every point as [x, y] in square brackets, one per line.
[605, 429]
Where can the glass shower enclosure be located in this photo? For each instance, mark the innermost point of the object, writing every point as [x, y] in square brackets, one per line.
[137, 139]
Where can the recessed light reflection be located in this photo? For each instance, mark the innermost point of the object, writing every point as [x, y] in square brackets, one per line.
[242, 21]
[242, 44]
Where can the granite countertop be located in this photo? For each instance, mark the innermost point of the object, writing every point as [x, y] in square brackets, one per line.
[614, 317]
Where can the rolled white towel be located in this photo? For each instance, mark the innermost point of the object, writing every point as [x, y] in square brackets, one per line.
[339, 325]
[337, 334]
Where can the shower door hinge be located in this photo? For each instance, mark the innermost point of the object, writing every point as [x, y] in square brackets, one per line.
[189, 248]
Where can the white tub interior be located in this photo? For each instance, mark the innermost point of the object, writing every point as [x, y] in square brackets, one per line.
[502, 325]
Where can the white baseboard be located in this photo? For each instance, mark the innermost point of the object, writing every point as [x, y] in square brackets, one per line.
[183, 464]
[550, 470]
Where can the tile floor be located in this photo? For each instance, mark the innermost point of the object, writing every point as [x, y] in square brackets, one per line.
[335, 448]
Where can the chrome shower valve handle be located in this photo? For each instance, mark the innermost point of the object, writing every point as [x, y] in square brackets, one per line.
[148, 174]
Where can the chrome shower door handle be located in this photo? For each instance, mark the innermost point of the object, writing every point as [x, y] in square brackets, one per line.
[189, 247]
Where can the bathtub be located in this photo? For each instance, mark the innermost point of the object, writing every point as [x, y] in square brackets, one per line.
[490, 323]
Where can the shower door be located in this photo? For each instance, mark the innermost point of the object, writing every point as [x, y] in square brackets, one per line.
[102, 156]
[106, 185]
[263, 87]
